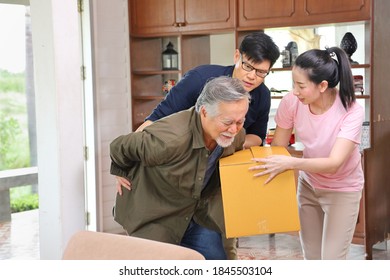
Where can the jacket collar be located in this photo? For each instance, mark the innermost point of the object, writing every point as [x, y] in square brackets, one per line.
[197, 130]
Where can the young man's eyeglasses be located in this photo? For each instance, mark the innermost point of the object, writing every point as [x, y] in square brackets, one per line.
[249, 68]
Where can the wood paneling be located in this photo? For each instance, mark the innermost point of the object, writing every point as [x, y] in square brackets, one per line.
[264, 13]
[280, 13]
[377, 158]
[156, 17]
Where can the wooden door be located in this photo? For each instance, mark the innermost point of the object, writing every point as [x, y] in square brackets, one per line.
[208, 15]
[377, 157]
[330, 11]
[265, 13]
[148, 17]
[260, 14]
[159, 17]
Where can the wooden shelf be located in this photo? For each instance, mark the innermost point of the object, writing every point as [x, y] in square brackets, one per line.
[281, 69]
[360, 66]
[353, 66]
[149, 97]
[363, 96]
[155, 72]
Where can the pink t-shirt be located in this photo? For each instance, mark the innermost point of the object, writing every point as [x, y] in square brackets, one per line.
[318, 134]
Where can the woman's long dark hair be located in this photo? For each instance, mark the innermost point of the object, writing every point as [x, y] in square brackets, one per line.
[321, 65]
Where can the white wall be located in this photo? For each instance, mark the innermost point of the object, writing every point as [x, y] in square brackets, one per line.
[112, 94]
[222, 49]
[59, 106]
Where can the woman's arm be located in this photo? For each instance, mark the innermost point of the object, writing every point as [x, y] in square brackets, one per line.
[281, 136]
[274, 165]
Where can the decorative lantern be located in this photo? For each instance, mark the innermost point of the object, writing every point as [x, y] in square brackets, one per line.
[170, 58]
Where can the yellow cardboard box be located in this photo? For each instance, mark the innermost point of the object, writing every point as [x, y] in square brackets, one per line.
[250, 207]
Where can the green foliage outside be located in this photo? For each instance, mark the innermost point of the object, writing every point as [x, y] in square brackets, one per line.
[11, 82]
[14, 142]
[14, 149]
[22, 199]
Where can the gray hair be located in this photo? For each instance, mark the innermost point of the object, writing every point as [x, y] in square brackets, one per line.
[220, 89]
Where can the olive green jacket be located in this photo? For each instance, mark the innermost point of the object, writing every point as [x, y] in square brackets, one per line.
[166, 164]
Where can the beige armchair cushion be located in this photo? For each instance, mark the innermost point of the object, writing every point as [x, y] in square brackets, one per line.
[89, 245]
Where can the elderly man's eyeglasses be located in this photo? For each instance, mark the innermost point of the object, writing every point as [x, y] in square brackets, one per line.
[249, 68]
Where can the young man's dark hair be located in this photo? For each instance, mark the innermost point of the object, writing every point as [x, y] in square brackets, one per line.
[258, 47]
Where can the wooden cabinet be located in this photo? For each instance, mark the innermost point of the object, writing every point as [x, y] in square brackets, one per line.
[377, 157]
[277, 13]
[147, 76]
[266, 13]
[154, 23]
[208, 15]
[336, 11]
[152, 17]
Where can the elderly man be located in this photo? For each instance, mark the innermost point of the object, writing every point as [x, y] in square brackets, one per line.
[172, 165]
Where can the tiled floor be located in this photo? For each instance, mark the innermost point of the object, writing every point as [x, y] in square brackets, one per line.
[19, 239]
[287, 247]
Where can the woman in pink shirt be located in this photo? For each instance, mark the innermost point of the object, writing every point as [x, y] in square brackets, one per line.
[328, 122]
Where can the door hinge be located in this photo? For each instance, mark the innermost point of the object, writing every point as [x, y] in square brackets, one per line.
[80, 6]
[86, 153]
[82, 72]
[87, 217]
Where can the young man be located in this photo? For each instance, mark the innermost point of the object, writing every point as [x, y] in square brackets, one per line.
[173, 167]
